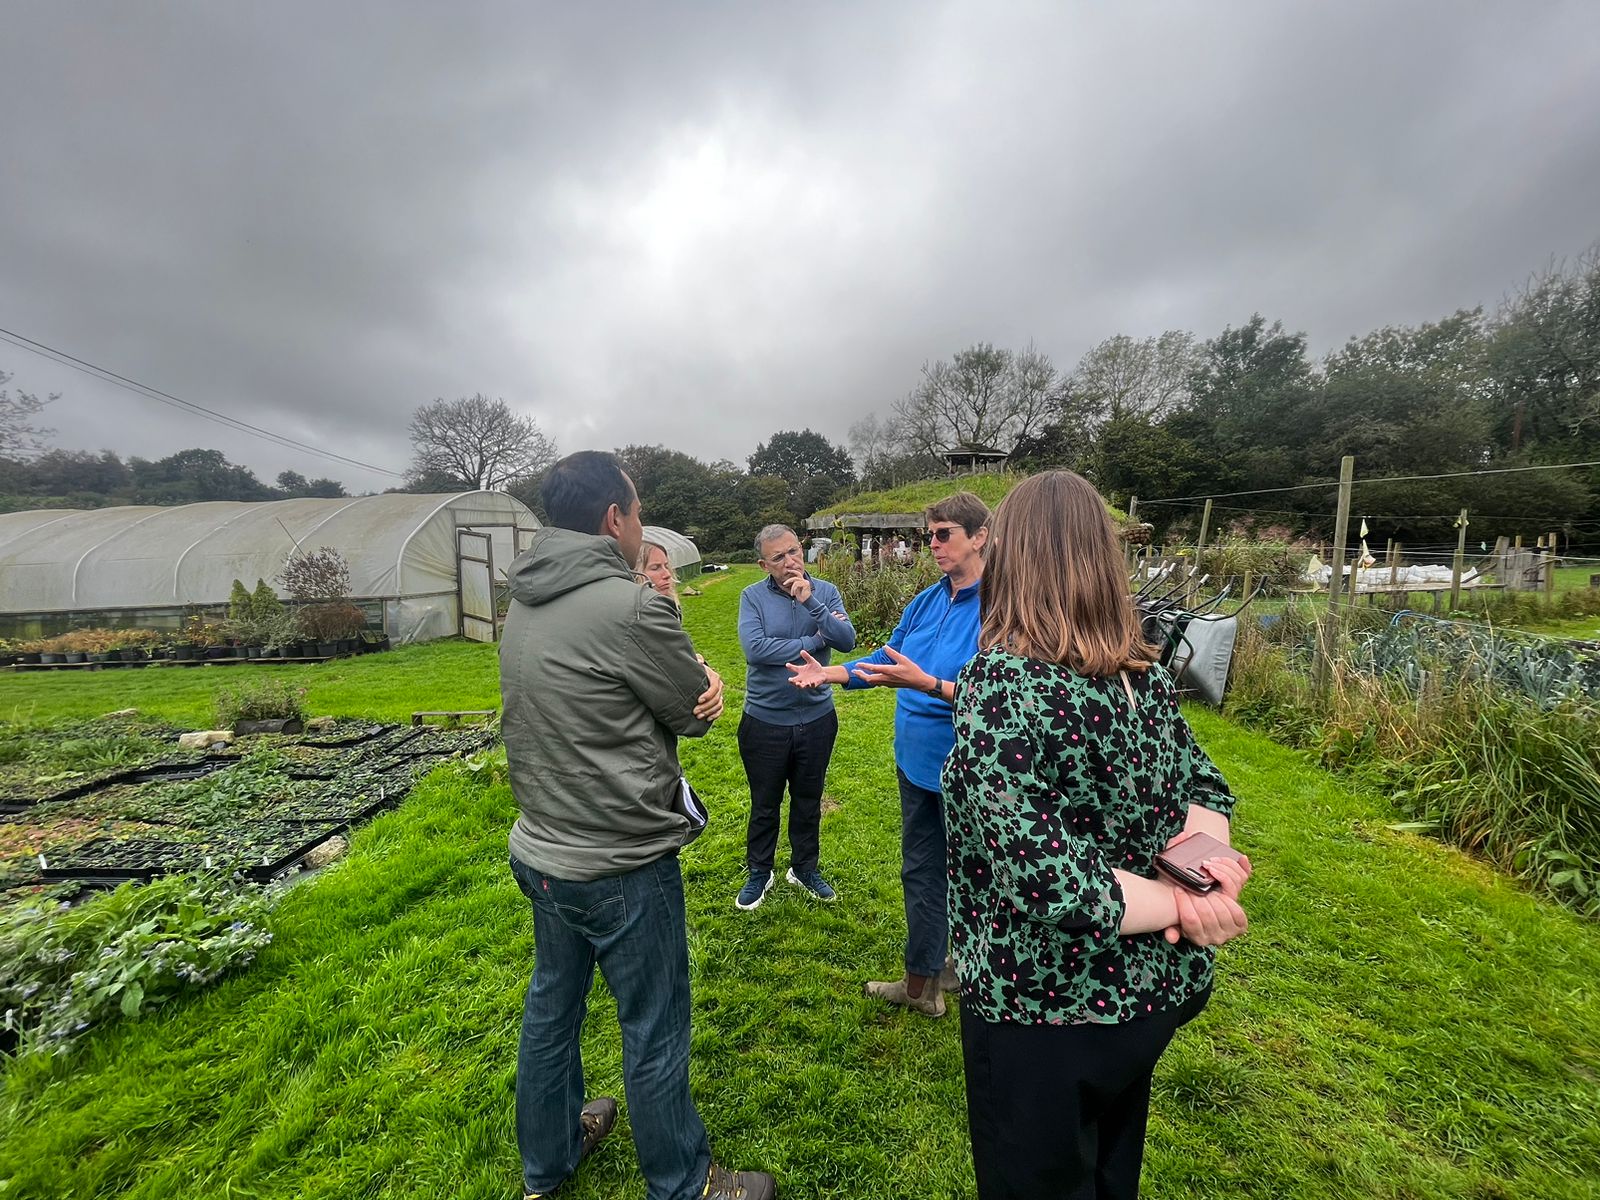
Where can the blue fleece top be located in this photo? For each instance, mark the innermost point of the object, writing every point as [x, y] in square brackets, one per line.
[774, 628]
[938, 632]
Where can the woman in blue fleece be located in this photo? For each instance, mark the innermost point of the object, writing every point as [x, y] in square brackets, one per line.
[937, 634]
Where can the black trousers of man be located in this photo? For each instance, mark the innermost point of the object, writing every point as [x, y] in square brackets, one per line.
[793, 757]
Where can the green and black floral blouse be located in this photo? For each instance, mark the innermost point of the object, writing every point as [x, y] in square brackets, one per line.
[1054, 781]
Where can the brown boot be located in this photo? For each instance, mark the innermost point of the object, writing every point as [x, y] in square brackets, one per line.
[931, 1002]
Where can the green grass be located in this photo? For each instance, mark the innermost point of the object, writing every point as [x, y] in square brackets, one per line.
[1400, 1021]
[389, 686]
[989, 486]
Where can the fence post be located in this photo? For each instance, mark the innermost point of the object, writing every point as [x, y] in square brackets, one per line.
[1133, 520]
[1327, 645]
[1461, 555]
[1200, 549]
[1550, 569]
[1396, 599]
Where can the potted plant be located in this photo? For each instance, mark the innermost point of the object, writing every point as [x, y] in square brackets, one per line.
[27, 652]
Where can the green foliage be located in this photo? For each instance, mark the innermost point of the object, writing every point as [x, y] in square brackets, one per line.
[873, 596]
[1400, 1021]
[65, 969]
[1492, 743]
[260, 700]
[240, 604]
[264, 602]
[1278, 565]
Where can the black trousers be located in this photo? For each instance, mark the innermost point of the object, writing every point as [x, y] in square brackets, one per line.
[1058, 1112]
[792, 756]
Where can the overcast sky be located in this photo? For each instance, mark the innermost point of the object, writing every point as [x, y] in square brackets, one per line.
[698, 224]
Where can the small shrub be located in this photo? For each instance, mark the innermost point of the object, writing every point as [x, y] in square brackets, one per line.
[874, 597]
[316, 575]
[260, 700]
[331, 622]
[264, 603]
[239, 602]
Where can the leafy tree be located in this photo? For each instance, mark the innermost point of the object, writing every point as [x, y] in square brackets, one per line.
[814, 469]
[295, 485]
[474, 443]
[193, 475]
[1546, 358]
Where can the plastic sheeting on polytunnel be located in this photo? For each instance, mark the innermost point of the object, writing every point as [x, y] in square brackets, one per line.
[682, 553]
[401, 549]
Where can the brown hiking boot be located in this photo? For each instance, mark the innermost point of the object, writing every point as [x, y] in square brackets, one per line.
[931, 1002]
[723, 1184]
[597, 1117]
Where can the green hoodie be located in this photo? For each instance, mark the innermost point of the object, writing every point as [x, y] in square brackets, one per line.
[597, 679]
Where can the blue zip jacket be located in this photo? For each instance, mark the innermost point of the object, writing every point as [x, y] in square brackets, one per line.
[938, 632]
[774, 628]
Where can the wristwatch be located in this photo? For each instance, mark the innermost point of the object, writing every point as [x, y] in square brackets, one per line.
[937, 689]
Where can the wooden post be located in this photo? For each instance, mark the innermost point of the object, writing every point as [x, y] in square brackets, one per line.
[1550, 569]
[1461, 556]
[1133, 519]
[1396, 598]
[1328, 644]
[1200, 547]
[1249, 580]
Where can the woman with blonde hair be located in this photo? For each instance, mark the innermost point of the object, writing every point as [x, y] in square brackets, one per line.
[655, 570]
[1072, 769]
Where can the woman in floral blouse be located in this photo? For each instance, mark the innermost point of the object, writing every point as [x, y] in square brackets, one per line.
[1072, 769]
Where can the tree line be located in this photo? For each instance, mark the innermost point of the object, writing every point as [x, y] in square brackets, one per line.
[1167, 416]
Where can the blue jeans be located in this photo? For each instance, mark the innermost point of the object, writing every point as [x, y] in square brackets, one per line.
[632, 926]
[923, 877]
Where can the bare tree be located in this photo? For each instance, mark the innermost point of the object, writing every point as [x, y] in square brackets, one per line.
[1128, 377]
[19, 437]
[477, 443]
[983, 396]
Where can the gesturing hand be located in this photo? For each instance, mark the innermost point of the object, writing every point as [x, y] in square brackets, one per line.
[709, 706]
[807, 673]
[898, 673]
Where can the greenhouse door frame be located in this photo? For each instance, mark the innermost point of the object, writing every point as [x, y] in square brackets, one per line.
[475, 565]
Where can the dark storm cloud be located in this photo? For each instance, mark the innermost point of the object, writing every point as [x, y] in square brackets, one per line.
[700, 224]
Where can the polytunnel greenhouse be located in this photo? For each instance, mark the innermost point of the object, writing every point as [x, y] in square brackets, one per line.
[422, 566]
[682, 553]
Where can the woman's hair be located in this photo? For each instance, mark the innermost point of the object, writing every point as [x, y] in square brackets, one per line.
[1055, 587]
[644, 556]
[962, 508]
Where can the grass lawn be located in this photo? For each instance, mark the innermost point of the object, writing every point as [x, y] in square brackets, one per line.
[1400, 1022]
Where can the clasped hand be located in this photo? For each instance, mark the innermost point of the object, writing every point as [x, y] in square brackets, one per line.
[1215, 917]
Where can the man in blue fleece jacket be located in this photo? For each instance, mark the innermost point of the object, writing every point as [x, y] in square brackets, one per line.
[786, 734]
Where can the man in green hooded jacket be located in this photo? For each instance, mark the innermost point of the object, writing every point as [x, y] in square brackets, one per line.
[598, 681]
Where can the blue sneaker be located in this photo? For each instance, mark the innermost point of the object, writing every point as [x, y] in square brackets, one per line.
[813, 882]
[755, 890]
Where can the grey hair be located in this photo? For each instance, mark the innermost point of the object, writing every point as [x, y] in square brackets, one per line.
[770, 533]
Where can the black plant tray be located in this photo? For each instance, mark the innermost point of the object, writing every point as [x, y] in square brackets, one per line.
[157, 772]
[352, 739]
[107, 860]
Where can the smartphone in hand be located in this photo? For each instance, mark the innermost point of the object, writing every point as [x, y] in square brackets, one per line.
[1181, 863]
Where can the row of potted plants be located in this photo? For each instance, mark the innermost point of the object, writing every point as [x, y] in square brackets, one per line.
[197, 640]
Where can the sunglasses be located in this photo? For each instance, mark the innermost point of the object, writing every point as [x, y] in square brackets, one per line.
[943, 535]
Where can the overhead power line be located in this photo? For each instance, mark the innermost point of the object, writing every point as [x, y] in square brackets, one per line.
[1333, 483]
[188, 406]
